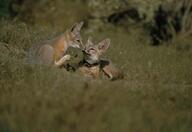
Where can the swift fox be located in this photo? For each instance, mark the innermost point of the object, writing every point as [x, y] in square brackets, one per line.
[53, 52]
[93, 65]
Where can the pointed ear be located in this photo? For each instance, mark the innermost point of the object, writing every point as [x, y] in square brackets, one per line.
[89, 42]
[77, 27]
[104, 45]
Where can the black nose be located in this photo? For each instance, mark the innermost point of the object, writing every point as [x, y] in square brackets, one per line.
[84, 52]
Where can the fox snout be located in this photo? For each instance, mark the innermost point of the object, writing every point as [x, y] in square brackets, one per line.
[76, 46]
[90, 57]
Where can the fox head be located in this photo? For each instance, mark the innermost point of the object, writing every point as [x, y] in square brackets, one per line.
[75, 36]
[92, 53]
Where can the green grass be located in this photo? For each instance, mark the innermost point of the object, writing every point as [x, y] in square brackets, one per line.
[155, 95]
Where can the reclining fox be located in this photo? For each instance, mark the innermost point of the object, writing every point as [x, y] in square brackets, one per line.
[93, 65]
[53, 52]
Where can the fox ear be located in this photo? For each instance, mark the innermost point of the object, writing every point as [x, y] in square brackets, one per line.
[89, 42]
[104, 45]
[77, 27]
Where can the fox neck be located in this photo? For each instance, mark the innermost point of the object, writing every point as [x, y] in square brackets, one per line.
[86, 63]
[62, 43]
[67, 38]
[92, 60]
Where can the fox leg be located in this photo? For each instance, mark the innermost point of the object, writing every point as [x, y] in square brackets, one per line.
[112, 72]
[107, 72]
[62, 60]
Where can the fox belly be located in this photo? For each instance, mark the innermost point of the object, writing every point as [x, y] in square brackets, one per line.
[90, 72]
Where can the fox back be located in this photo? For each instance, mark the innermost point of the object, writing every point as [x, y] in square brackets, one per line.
[50, 51]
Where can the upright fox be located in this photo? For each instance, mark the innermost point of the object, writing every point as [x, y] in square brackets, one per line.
[53, 52]
[93, 65]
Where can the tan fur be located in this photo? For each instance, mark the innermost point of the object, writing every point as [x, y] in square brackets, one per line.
[53, 52]
[90, 72]
[93, 66]
[60, 46]
[112, 72]
[98, 71]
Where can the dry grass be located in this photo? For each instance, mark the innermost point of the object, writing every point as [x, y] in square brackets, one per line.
[155, 95]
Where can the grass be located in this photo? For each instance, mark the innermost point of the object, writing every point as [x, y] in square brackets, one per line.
[155, 95]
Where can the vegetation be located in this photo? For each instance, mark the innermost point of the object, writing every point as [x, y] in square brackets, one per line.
[155, 95]
[172, 21]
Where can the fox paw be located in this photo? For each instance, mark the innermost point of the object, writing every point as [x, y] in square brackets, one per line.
[66, 57]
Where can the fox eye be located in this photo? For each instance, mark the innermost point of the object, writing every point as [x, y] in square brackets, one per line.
[78, 41]
[92, 51]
